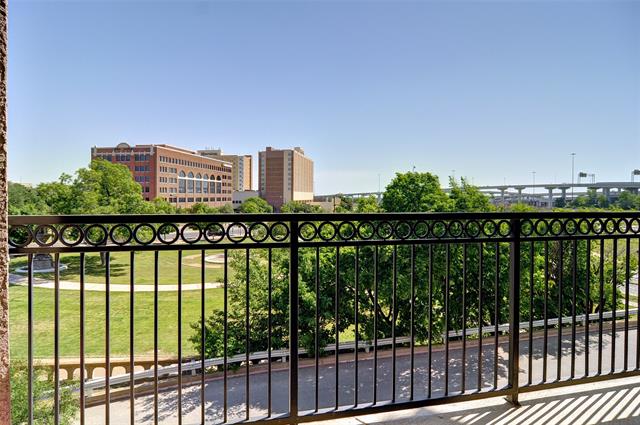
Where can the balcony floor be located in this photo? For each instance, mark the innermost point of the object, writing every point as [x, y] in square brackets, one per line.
[614, 402]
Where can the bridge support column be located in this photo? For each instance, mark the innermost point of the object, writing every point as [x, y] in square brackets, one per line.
[550, 197]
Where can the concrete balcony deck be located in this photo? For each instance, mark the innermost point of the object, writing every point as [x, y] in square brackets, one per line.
[608, 402]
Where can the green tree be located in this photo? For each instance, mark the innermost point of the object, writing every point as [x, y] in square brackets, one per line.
[162, 206]
[255, 205]
[25, 200]
[628, 201]
[299, 207]
[201, 208]
[591, 200]
[226, 209]
[468, 198]
[415, 192]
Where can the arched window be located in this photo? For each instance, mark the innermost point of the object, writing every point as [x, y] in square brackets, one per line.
[182, 183]
[212, 185]
[190, 183]
[205, 184]
[218, 185]
[199, 183]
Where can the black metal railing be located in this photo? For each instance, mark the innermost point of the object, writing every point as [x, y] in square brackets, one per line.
[319, 316]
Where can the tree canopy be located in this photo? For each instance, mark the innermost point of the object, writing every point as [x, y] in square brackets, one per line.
[255, 205]
[300, 207]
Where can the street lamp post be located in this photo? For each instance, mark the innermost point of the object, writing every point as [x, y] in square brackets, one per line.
[573, 158]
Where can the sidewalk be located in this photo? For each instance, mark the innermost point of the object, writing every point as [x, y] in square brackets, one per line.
[20, 280]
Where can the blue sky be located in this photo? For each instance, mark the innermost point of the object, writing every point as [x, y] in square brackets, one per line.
[490, 89]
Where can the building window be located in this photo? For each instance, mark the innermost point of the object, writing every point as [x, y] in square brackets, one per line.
[182, 183]
[190, 182]
[218, 185]
[212, 185]
[205, 185]
[198, 183]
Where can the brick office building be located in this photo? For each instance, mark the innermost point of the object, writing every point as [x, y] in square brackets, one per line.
[178, 175]
[285, 175]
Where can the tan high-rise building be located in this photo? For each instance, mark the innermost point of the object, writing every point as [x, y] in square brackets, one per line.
[285, 175]
[242, 168]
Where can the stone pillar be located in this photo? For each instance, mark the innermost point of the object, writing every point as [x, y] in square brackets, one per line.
[5, 387]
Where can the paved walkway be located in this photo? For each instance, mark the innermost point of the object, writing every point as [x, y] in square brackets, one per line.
[20, 280]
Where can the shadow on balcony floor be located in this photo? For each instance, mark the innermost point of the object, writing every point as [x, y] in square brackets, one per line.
[615, 402]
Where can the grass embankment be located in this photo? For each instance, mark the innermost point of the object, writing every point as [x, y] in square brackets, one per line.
[95, 321]
[95, 306]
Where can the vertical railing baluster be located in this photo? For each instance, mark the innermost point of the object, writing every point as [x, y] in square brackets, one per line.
[30, 338]
[132, 410]
[247, 348]
[514, 311]
[225, 336]
[601, 307]
[269, 331]
[587, 302]
[83, 372]
[626, 303]
[107, 340]
[614, 309]
[464, 319]
[293, 319]
[56, 342]
[179, 337]
[337, 321]
[480, 315]
[531, 291]
[203, 336]
[156, 275]
[412, 319]
[375, 324]
[316, 347]
[496, 316]
[574, 300]
[560, 309]
[430, 313]
[446, 318]
[355, 324]
[545, 313]
[394, 307]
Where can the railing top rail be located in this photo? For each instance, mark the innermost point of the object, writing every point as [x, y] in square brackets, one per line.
[230, 218]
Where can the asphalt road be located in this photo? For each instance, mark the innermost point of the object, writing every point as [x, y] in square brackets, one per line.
[167, 406]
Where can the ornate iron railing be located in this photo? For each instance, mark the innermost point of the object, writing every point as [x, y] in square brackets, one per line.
[420, 309]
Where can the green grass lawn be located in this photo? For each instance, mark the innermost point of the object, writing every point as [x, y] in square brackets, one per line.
[95, 321]
[144, 268]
